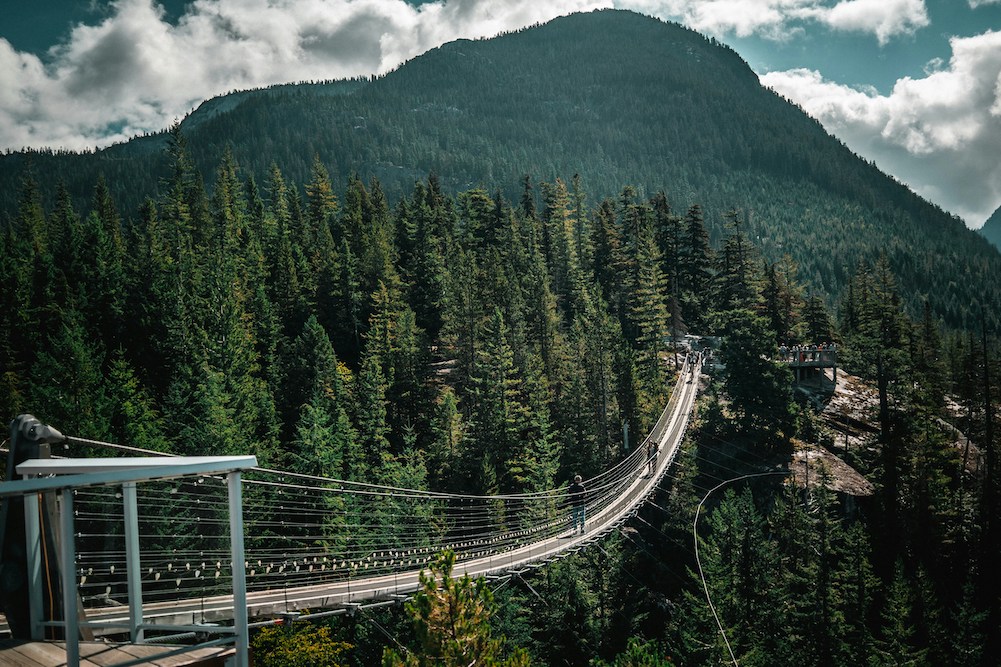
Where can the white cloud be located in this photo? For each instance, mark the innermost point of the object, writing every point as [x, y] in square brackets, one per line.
[884, 18]
[781, 19]
[980, 3]
[135, 72]
[940, 134]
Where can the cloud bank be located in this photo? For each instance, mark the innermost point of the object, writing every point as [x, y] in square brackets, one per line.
[784, 19]
[940, 134]
[135, 72]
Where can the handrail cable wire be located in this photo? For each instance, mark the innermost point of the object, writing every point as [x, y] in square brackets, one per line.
[305, 532]
[698, 559]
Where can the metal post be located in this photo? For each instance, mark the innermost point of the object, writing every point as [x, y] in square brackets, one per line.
[68, 548]
[239, 571]
[32, 533]
[132, 563]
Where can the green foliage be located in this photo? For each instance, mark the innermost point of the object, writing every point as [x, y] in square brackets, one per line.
[301, 645]
[759, 388]
[464, 111]
[816, 606]
[452, 622]
[638, 654]
[457, 342]
[896, 645]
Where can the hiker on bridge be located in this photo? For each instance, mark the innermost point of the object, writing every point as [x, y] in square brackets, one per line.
[578, 504]
[651, 455]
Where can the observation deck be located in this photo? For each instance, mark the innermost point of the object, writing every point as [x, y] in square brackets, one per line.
[804, 359]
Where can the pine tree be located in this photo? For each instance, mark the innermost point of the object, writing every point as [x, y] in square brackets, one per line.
[452, 621]
[135, 419]
[607, 241]
[896, 644]
[735, 557]
[371, 419]
[650, 318]
[285, 266]
[759, 388]
[409, 395]
[817, 320]
[737, 282]
[876, 346]
[428, 275]
[447, 437]
[558, 237]
[783, 303]
[67, 388]
[695, 260]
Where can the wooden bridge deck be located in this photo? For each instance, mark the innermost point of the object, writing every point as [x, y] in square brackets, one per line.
[20, 653]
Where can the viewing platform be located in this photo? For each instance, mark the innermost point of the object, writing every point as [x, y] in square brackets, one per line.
[803, 359]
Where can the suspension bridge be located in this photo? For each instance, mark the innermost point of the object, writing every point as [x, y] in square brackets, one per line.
[165, 551]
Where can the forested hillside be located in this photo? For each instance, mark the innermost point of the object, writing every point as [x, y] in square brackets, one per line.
[992, 229]
[612, 96]
[478, 344]
[458, 316]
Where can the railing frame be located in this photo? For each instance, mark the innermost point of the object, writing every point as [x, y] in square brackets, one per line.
[64, 476]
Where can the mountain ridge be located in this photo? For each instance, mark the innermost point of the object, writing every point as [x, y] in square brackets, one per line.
[613, 96]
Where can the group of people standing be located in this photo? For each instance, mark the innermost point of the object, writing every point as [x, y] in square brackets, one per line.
[817, 352]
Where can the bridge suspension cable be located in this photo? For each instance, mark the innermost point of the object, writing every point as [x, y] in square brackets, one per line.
[304, 533]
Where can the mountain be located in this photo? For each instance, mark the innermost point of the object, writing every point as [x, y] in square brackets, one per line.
[992, 229]
[613, 96]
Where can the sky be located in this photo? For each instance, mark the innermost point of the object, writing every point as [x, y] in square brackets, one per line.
[912, 85]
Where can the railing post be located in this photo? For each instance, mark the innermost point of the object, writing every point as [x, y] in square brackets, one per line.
[68, 548]
[239, 571]
[132, 562]
[32, 534]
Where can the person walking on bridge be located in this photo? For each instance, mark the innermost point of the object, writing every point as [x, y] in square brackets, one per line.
[578, 504]
[651, 455]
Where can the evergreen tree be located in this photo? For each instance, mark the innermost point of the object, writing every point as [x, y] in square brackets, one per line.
[373, 429]
[876, 346]
[695, 260]
[759, 388]
[738, 284]
[500, 432]
[68, 389]
[135, 420]
[607, 241]
[558, 237]
[896, 644]
[451, 618]
[428, 275]
[650, 318]
[817, 320]
[783, 303]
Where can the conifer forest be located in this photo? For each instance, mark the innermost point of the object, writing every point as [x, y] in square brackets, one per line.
[500, 333]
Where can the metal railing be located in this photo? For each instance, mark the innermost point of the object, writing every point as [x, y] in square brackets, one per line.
[64, 477]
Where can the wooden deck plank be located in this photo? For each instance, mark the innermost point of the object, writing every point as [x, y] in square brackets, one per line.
[11, 654]
[100, 654]
[19, 653]
[38, 653]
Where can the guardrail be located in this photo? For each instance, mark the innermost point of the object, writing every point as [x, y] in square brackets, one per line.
[64, 477]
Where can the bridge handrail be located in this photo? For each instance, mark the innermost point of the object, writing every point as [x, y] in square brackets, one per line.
[67, 476]
[327, 540]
